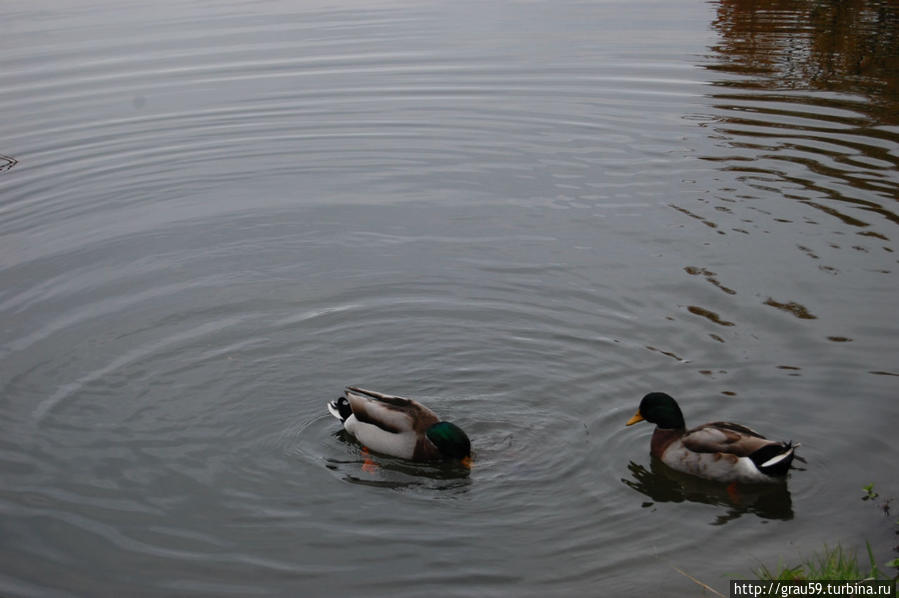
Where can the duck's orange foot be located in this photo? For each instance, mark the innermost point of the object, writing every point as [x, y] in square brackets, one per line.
[368, 466]
[733, 492]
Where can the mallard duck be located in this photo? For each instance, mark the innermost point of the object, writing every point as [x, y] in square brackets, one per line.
[721, 451]
[399, 427]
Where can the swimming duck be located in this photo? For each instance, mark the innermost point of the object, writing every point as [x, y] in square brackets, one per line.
[399, 427]
[721, 451]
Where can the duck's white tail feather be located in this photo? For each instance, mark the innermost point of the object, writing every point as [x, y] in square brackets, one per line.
[787, 454]
[340, 409]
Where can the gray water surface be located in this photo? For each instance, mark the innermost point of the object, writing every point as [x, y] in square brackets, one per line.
[214, 215]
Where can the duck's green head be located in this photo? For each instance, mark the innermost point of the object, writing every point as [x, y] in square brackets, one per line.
[450, 440]
[660, 409]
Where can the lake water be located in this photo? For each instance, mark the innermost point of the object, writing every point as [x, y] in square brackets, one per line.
[214, 215]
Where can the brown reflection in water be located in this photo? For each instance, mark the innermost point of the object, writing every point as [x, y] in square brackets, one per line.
[708, 223]
[709, 276]
[712, 373]
[834, 45]
[794, 371]
[709, 314]
[798, 310]
[811, 114]
[665, 353]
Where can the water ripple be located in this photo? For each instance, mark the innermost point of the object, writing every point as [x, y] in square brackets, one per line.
[211, 221]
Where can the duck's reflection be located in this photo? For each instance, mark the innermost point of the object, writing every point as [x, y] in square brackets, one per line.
[663, 484]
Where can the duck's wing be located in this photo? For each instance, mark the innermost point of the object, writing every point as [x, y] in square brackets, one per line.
[725, 437]
[388, 412]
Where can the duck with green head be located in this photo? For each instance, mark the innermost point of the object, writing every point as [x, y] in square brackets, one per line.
[399, 427]
[721, 451]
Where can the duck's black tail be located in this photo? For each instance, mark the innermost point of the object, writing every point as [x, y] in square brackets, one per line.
[340, 409]
[775, 459]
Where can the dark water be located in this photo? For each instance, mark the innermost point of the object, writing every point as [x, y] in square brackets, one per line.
[214, 215]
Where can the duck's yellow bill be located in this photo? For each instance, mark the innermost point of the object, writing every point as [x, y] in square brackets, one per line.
[467, 462]
[637, 418]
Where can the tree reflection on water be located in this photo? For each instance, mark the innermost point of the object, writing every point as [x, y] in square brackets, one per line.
[833, 45]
